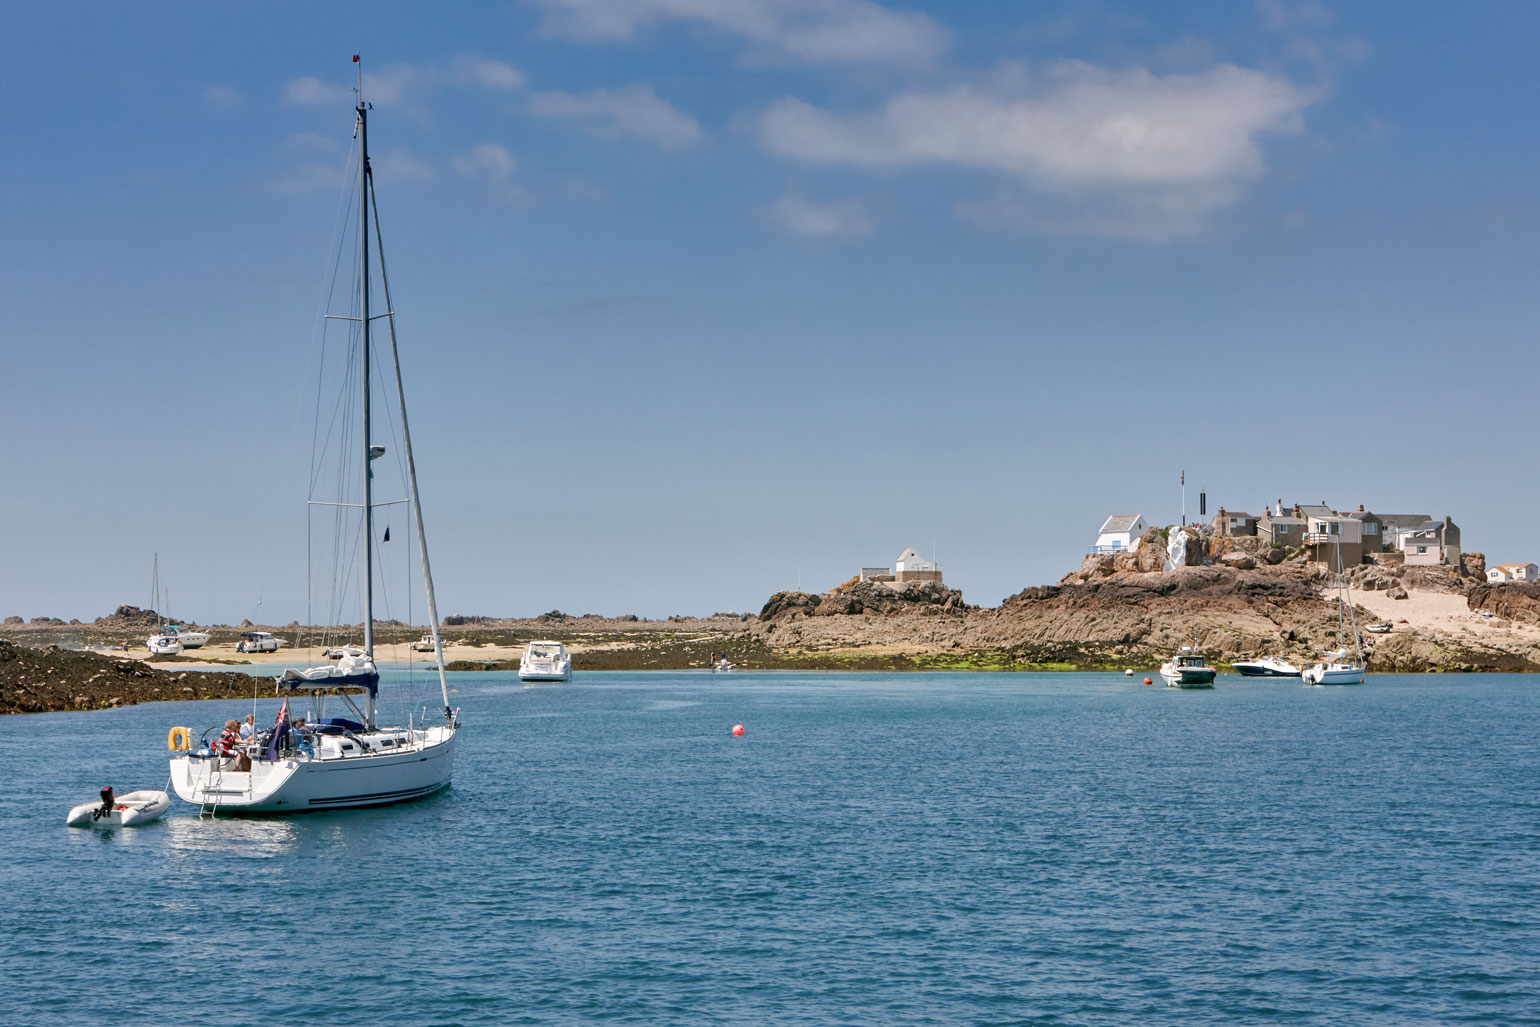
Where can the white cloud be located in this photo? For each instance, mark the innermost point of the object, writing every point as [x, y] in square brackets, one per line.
[399, 83]
[847, 219]
[487, 161]
[811, 30]
[633, 110]
[469, 69]
[312, 92]
[401, 166]
[1166, 151]
[222, 98]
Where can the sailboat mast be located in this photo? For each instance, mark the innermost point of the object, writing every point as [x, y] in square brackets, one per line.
[411, 466]
[363, 334]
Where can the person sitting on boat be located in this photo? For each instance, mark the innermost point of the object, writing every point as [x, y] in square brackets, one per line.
[248, 728]
[229, 745]
[108, 801]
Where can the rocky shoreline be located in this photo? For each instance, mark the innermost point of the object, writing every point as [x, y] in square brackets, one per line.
[1116, 611]
[50, 679]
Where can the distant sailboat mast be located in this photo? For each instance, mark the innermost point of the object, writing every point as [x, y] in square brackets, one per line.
[363, 334]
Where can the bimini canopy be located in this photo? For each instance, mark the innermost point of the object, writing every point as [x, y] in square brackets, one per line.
[361, 679]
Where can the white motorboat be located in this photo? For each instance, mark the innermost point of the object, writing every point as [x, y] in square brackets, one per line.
[722, 666]
[340, 651]
[1188, 669]
[341, 762]
[187, 638]
[163, 645]
[1266, 667]
[545, 661]
[131, 810]
[257, 642]
[425, 644]
[1335, 668]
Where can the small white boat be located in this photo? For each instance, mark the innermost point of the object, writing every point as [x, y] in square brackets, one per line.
[1266, 667]
[722, 667]
[111, 810]
[1334, 669]
[424, 644]
[163, 645]
[186, 637]
[337, 652]
[1188, 669]
[1382, 628]
[545, 661]
[257, 642]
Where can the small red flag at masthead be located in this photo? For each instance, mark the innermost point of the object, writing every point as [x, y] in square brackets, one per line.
[355, 58]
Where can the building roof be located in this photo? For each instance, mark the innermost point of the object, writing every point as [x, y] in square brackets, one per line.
[1359, 515]
[1274, 519]
[1404, 520]
[1120, 522]
[908, 554]
[1317, 510]
[1511, 566]
[1238, 513]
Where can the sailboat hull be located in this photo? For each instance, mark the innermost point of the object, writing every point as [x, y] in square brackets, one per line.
[303, 784]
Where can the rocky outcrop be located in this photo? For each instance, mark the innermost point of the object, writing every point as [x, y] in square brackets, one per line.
[865, 597]
[127, 617]
[1516, 601]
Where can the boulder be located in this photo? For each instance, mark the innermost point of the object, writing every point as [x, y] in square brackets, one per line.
[1238, 559]
[1396, 593]
[1274, 555]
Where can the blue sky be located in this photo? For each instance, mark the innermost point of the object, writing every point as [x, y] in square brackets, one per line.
[700, 297]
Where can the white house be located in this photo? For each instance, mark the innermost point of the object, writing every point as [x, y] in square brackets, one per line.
[1120, 532]
[1513, 572]
[911, 568]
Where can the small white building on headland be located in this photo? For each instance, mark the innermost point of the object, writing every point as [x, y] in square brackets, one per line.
[1513, 572]
[1120, 532]
[909, 568]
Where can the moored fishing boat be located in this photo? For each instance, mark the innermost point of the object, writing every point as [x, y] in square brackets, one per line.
[340, 762]
[1188, 669]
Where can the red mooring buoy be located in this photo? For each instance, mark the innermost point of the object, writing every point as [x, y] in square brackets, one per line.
[1148, 681]
[738, 730]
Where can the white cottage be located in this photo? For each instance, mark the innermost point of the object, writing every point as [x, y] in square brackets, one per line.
[1513, 572]
[1120, 532]
[911, 568]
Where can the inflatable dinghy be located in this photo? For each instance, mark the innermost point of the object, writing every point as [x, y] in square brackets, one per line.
[129, 810]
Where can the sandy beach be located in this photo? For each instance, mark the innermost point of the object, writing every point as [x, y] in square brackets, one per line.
[1439, 613]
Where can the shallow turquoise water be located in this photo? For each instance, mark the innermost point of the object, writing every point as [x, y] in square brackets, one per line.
[877, 849]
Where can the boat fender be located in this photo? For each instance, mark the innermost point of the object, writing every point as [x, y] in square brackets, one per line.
[108, 801]
[179, 739]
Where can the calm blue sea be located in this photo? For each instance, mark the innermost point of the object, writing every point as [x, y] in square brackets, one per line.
[876, 849]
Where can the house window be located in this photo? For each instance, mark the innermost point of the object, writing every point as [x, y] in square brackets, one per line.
[1422, 549]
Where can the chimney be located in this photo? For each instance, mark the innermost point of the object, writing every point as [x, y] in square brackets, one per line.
[1360, 508]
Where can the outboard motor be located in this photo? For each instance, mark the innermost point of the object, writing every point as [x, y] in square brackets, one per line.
[108, 801]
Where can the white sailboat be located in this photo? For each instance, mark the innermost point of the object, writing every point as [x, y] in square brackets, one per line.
[1335, 668]
[352, 761]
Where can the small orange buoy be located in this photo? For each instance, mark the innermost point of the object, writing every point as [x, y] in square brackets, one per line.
[1148, 681]
[738, 730]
